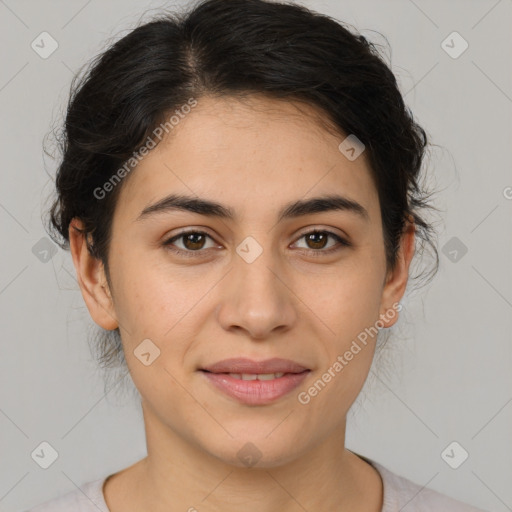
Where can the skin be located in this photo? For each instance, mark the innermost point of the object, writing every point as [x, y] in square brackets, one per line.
[287, 303]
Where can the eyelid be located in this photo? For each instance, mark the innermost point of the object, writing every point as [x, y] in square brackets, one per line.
[314, 228]
[342, 242]
[168, 242]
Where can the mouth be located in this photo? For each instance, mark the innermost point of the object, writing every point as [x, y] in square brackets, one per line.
[255, 382]
[244, 366]
[253, 376]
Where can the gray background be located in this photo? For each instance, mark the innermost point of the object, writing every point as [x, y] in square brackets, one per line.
[447, 377]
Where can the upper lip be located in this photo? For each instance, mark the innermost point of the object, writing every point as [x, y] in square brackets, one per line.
[244, 365]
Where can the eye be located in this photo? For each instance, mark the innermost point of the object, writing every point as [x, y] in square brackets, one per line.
[316, 241]
[193, 242]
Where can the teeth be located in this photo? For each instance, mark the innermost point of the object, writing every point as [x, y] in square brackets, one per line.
[269, 376]
[258, 376]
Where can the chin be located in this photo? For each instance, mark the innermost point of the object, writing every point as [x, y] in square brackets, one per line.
[256, 451]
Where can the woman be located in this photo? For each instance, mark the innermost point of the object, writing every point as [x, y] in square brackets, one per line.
[240, 193]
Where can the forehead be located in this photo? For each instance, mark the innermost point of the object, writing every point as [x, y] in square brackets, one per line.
[246, 153]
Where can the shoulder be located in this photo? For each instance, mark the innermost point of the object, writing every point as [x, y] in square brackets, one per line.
[88, 498]
[407, 496]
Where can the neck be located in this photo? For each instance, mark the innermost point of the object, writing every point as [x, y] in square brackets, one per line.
[178, 475]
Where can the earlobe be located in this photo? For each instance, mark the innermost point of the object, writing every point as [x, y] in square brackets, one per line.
[396, 282]
[91, 279]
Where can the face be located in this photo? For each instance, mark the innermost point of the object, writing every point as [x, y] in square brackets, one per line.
[253, 284]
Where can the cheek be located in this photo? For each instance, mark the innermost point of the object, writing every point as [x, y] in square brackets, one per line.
[349, 305]
[168, 311]
[149, 301]
[346, 302]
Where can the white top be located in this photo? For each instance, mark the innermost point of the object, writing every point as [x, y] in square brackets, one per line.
[400, 495]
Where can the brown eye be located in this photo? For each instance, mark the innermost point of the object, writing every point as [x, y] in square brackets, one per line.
[316, 242]
[191, 242]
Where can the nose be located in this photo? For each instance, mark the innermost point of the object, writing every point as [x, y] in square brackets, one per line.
[258, 298]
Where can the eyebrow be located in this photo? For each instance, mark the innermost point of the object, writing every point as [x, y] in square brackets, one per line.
[175, 202]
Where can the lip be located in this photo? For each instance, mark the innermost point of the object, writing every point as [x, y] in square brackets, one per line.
[245, 365]
[255, 392]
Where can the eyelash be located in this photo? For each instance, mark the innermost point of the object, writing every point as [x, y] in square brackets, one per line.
[314, 252]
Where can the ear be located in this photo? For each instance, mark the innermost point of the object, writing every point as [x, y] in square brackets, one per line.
[396, 280]
[91, 279]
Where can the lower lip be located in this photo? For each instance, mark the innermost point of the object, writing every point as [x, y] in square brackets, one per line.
[256, 392]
